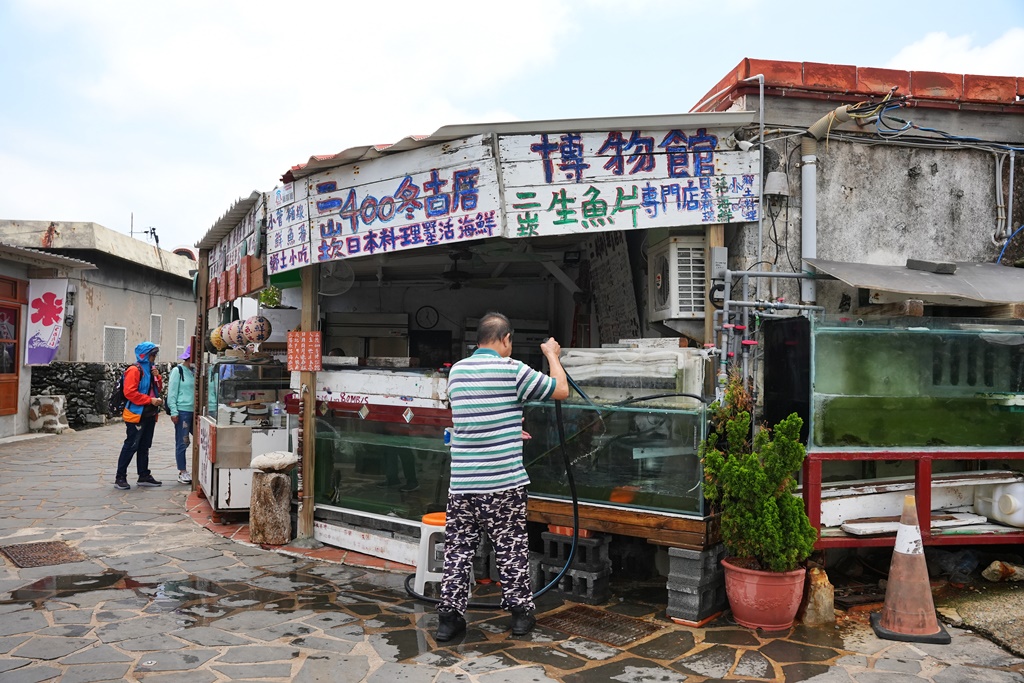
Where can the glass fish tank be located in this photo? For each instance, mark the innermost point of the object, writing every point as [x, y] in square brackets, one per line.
[634, 456]
[917, 382]
[641, 457]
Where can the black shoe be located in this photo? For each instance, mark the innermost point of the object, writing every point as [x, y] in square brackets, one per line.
[386, 484]
[449, 625]
[122, 484]
[148, 480]
[409, 488]
[522, 621]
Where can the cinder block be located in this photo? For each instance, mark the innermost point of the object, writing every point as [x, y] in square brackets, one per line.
[591, 553]
[576, 585]
[697, 604]
[696, 583]
[684, 563]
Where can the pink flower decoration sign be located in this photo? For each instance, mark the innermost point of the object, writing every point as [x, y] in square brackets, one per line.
[46, 300]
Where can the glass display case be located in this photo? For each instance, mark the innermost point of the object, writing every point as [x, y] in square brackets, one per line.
[244, 416]
[387, 468]
[917, 382]
[641, 457]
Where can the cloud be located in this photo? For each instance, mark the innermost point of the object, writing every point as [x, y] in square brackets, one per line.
[1004, 56]
[182, 107]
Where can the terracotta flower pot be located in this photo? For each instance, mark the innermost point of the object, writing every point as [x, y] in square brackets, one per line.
[761, 599]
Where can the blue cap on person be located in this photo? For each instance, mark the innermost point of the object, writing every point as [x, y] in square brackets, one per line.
[188, 353]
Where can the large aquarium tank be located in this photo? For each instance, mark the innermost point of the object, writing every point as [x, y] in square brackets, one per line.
[642, 457]
[638, 457]
[916, 382]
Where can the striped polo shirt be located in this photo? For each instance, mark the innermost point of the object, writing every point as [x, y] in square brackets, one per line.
[487, 393]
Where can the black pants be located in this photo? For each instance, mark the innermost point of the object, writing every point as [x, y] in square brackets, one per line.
[138, 439]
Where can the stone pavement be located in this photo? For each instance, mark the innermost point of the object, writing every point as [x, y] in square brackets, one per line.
[158, 597]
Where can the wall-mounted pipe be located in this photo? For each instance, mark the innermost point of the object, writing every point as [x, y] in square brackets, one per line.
[808, 215]
[809, 194]
[1009, 201]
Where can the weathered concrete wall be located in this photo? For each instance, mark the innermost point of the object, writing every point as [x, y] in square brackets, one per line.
[122, 294]
[883, 203]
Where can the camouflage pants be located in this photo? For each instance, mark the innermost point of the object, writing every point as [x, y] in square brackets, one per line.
[503, 516]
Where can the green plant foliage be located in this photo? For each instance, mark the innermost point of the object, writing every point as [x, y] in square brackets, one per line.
[270, 297]
[753, 487]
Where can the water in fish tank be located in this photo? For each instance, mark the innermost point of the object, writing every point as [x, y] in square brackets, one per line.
[928, 383]
[636, 457]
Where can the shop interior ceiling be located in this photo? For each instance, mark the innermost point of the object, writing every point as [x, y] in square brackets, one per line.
[487, 264]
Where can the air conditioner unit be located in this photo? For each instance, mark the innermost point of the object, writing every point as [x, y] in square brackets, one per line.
[677, 279]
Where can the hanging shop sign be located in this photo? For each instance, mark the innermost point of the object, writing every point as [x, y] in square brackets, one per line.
[235, 253]
[288, 238]
[45, 320]
[559, 183]
[305, 351]
[439, 195]
[539, 185]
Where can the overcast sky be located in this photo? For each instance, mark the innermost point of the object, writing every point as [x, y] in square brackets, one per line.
[171, 111]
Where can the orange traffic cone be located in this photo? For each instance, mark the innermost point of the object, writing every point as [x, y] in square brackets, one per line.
[909, 611]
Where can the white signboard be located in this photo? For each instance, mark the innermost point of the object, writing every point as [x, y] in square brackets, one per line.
[288, 227]
[442, 194]
[558, 183]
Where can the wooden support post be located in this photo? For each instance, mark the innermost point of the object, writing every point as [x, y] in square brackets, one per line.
[310, 320]
[715, 237]
[1004, 311]
[203, 328]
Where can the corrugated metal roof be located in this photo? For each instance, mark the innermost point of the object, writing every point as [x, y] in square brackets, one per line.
[36, 257]
[446, 133]
[988, 283]
[231, 218]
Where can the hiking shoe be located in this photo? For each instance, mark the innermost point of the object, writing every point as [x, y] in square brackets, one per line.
[522, 621]
[148, 480]
[449, 625]
[122, 484]
[409, 488]
[184, 478]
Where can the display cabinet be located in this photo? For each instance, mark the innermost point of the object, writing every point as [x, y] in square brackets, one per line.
[917, 397]
[634, 457]
[244, 417]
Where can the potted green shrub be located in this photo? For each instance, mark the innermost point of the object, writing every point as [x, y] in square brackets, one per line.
[764, 525]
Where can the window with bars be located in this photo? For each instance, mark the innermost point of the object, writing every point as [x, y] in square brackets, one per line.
[115, 344]
[179, 338]
[156, 329]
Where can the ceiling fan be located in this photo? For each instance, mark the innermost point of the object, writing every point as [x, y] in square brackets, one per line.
[453, 278]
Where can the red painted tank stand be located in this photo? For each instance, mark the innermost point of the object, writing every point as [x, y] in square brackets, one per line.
[922, 490]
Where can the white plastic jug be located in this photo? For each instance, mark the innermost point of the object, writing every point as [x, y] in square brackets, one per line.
[1001, 502]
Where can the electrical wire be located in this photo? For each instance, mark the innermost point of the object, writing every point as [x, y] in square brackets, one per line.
[1008, 239]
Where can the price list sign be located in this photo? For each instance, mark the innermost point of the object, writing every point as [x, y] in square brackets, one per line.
[304, 351]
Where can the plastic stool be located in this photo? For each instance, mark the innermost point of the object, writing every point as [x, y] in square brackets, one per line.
[430, 557]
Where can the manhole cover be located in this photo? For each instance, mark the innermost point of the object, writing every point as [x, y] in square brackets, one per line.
[606, 627]
[42, 554]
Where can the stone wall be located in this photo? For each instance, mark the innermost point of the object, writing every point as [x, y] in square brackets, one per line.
[87, 387]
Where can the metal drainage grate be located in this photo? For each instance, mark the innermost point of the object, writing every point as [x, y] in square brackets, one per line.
[42, 554]
[606, 627]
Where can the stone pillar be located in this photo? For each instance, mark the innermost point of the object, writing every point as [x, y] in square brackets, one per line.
[47, 414]
[270, 508]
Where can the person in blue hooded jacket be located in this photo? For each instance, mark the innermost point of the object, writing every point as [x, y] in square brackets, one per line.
[142, 387]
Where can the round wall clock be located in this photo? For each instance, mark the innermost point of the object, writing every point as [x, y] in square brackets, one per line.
[426, 317]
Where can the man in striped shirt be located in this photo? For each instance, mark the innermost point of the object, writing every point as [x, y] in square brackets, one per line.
[488, 480]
